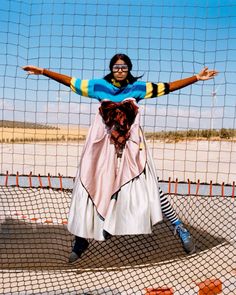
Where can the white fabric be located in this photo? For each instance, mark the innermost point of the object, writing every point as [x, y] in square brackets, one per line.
[133, 210]
[101, 172]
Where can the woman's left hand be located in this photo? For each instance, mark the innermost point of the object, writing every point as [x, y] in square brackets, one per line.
[206, 74]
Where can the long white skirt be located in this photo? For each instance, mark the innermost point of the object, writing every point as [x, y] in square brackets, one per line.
[133, 210]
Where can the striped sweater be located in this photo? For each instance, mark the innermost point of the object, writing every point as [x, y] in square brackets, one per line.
[100, 89]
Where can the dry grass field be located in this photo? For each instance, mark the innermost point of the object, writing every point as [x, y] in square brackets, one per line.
[20, 135]
[209, 155]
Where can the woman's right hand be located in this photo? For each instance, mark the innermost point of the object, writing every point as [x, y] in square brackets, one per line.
[33, 70]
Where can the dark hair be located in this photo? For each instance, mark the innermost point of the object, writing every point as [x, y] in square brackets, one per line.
[127, 61]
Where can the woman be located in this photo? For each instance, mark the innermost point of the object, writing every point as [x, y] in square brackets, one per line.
[116, 191]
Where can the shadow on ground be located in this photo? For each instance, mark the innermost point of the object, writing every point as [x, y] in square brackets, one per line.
[40, 247]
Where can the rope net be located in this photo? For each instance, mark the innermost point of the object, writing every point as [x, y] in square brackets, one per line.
[35, 245]
[190, 133]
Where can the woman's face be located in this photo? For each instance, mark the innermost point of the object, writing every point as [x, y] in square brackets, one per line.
[120, 70]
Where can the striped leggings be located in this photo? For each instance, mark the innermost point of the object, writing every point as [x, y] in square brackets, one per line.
[166, 208]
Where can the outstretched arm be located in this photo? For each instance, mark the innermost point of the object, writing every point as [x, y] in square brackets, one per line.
[203, 75]
[33, 70]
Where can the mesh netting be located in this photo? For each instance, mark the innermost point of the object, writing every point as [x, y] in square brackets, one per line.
[35, 245]
[166, 41]
[191, 135]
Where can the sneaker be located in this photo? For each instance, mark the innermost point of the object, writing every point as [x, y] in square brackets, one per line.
[74, 257]
[79, 247]
[185, 237]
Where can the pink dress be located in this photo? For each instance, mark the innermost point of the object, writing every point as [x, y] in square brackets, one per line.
[115, 195]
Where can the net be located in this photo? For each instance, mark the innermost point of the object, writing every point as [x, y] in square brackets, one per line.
[191, 134]
[166, 41]
[35, 245]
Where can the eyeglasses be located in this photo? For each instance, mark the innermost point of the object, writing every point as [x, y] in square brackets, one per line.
[123, 68]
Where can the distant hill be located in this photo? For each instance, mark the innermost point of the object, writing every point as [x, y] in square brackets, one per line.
[14, 132]
[25, 125]
[222, 133]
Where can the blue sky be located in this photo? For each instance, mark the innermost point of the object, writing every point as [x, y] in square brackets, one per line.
[166, 40]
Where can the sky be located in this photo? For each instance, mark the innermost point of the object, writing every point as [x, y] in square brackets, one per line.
[166, 41]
